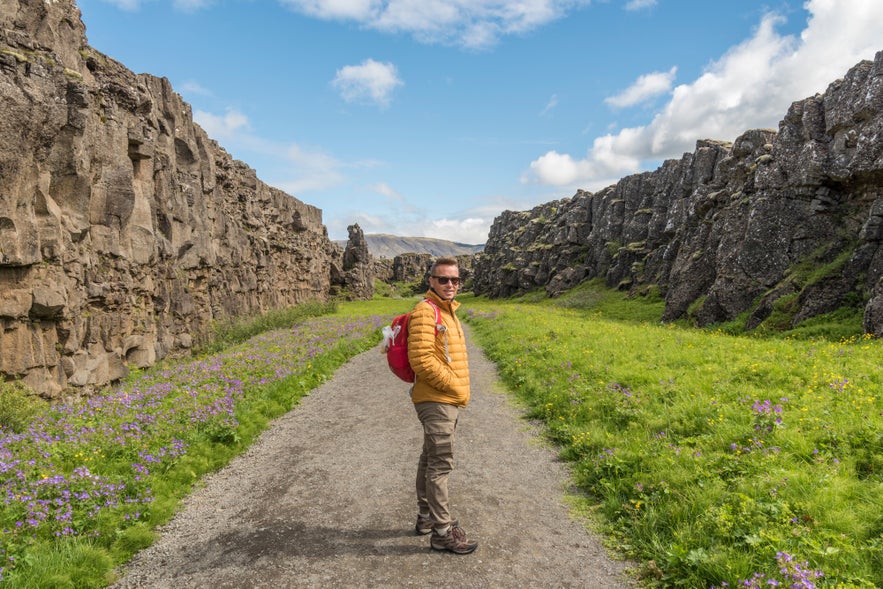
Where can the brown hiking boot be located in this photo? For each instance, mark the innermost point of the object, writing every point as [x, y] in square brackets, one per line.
[454, 541]
[424, 525]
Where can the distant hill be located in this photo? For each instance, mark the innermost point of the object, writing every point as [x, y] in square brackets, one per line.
[389, 246]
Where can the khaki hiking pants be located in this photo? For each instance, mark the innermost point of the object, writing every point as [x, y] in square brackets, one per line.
[437, 459]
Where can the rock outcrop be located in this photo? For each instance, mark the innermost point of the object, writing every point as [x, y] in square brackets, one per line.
[414, 268]
[793, 218]
[354, 272]
[124, 230]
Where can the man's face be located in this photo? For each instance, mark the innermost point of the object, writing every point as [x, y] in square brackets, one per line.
[445, 281]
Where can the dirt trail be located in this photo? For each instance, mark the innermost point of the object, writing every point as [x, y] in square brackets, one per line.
[325, 499]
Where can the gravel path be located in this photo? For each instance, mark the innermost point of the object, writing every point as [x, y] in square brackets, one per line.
[325, 498]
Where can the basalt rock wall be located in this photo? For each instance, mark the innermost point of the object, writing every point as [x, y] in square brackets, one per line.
[353, 272]
[415, 268]
[794, 215]
[124, 230]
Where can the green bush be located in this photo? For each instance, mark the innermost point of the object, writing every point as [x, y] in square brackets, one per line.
[18, 406]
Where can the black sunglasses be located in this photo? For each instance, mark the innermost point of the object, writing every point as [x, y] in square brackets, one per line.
[444, 279]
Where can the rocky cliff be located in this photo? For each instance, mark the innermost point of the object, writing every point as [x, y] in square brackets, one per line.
[124, 229]
[353, 273]
[792, 219]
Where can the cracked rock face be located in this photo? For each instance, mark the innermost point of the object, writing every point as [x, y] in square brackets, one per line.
[124, 230]
[729, 228]
[357, 266]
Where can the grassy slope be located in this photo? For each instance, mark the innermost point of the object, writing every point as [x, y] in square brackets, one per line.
[712, 458]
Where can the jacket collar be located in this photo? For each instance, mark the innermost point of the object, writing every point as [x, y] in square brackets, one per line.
[451, 306]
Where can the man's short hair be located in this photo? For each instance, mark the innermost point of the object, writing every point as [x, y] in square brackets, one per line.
[443, 261]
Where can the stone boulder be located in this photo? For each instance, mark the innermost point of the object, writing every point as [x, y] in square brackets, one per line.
[358, 266]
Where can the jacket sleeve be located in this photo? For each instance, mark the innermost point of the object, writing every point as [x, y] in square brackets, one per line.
[426, 351]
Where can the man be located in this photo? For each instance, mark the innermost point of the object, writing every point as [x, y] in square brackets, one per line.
[437, 354]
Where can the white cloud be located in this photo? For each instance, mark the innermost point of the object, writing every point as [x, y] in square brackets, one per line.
[191, 5]
[640, 4]
[130, 5]
[471, 230]
[645, 87]
[470, 23]
[311, 169]
[194, 88]
[181, 5]
[314, 170]
[561, 169]
[750, 86]
[550, 106]
[371, 81]
[359, 10]
[384, 189]
[470, 226]
[223, 126]
[473, 224]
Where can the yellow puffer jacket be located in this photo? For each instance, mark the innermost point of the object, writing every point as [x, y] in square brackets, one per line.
[438, 379]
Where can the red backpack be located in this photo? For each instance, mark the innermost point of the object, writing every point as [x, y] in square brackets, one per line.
[395, 343]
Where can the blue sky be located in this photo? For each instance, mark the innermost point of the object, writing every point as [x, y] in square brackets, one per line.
[429, 118]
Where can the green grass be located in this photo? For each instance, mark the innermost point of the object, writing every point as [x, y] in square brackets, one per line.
[236, 330]
[706, 454]
[592, 299]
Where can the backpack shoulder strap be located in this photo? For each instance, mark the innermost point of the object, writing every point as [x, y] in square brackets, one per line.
[440, 327]
[438, 320]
